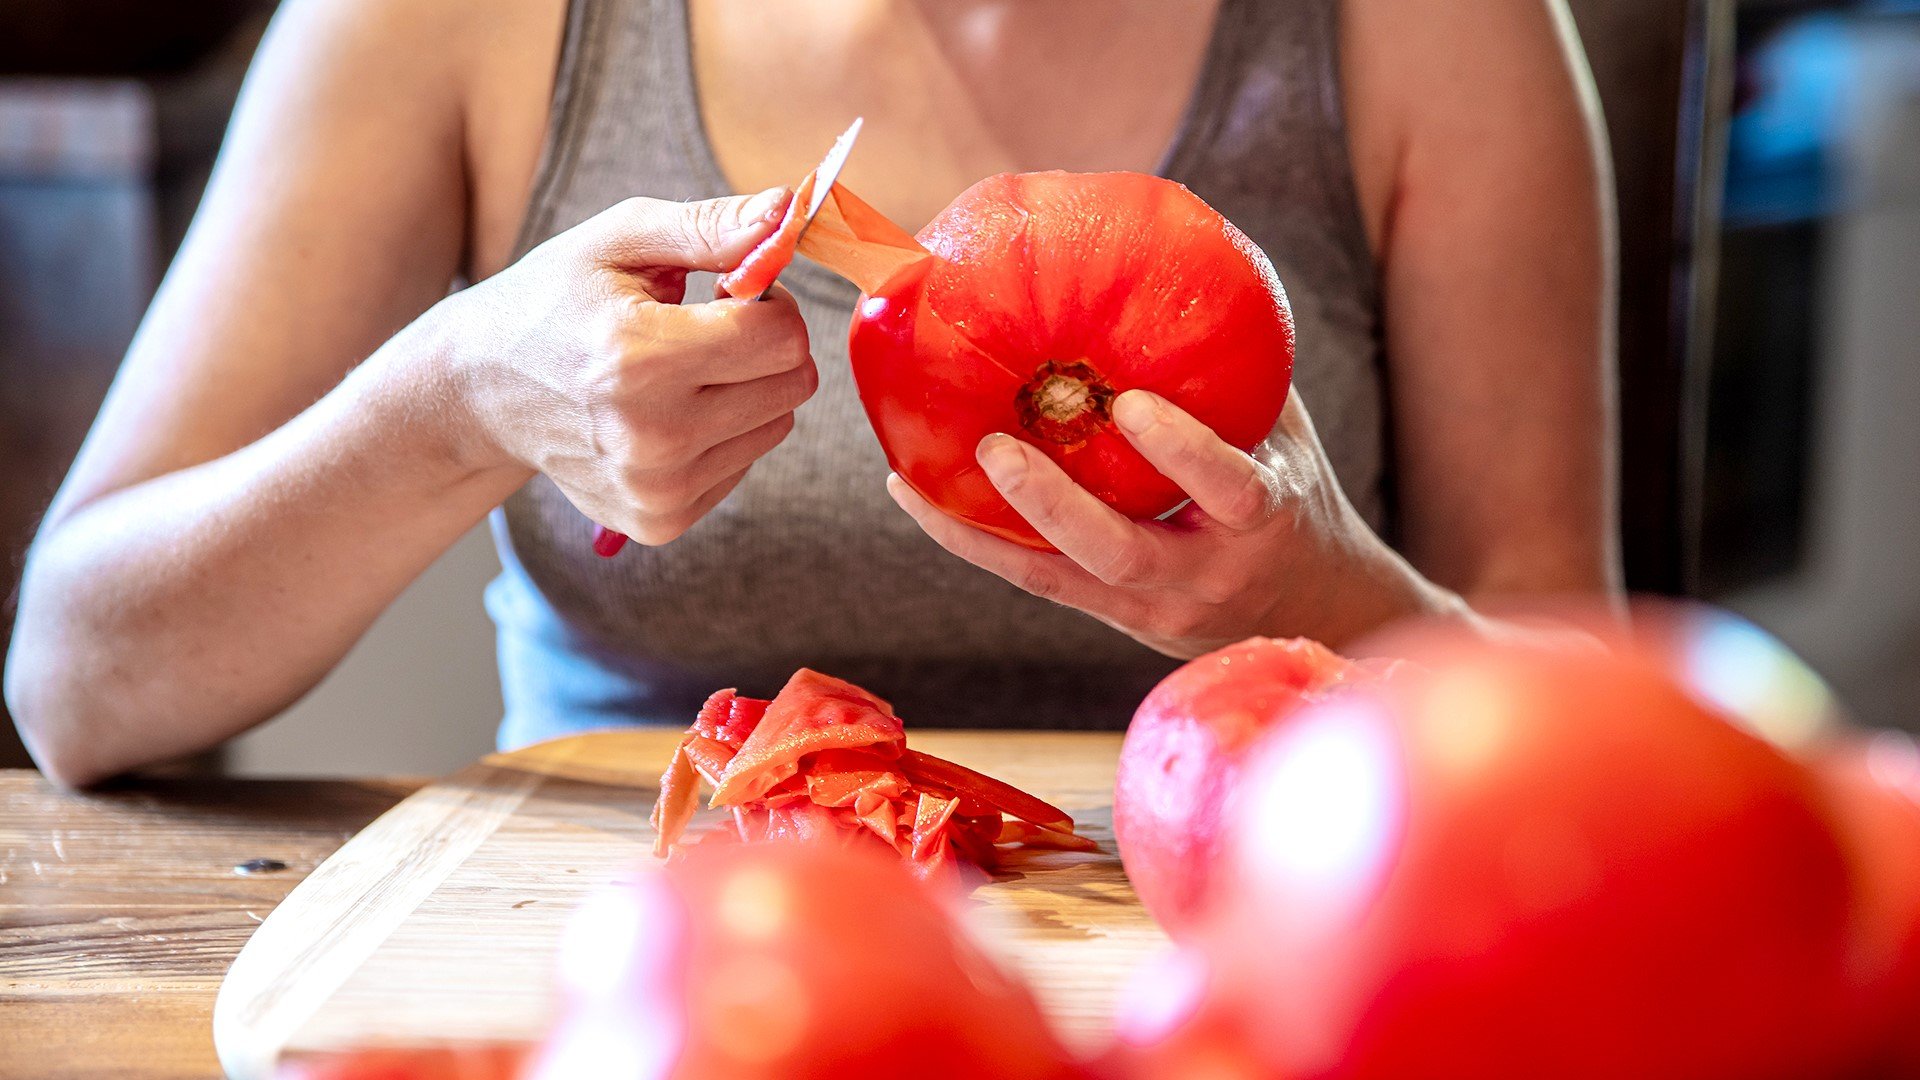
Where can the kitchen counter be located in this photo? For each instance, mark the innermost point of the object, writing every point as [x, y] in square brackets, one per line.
[120, 909]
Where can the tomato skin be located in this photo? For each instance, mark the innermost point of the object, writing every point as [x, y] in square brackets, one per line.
[1117, 280]
[789, 961]
[1872, 787]
[475, 1062]
[1525, 864]
[1181, 762]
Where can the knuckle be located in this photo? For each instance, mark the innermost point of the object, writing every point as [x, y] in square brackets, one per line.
[632, 311]
[1126, 566]
[675, 494]
[704, 221]
[778, 429]
[794, 338]
[1215, 590]
[1254, 501]
[656, 531]
[653, 450]
[636, 208]
[615, 228]
[1182, 622]
[800, 388]
[1041, 582]
[624, 355]
[1040, 503]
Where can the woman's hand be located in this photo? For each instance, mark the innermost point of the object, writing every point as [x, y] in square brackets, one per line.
[1269, 544]
[579, 361]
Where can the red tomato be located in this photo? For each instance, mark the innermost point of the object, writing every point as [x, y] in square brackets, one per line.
[502, 1062]
[1181, 762]
[1873, 789]
[787, 961]
[1051, 294]
[1520, 864]
[1739, 669]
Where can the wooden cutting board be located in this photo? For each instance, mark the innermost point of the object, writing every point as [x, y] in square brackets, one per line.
[439, 920]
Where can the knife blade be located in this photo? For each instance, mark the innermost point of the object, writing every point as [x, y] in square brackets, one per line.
[825, 175]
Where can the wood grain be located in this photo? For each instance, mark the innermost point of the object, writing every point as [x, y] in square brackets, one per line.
[120, 911]
[439, 921]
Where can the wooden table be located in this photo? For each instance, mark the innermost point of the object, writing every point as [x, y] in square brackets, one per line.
[121, 909]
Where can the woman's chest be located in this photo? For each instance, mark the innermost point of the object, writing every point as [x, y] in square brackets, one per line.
[952, 90]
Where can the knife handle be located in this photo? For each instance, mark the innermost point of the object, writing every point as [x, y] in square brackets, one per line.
[606, 542]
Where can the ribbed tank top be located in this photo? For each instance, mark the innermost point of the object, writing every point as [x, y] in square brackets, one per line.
[808, 562]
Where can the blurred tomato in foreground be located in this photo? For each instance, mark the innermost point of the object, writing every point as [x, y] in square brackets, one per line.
[790, 961]
[1182, 759]
[1515, 863]
[1735, 667]
[489, 1062]
[1873, 789]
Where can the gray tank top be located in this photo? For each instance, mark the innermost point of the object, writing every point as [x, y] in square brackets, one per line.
[808, 562]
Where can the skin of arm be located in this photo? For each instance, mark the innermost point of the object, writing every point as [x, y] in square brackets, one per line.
[1475, 138]
[306, 420]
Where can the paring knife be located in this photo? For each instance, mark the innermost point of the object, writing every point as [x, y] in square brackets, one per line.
[606, 542]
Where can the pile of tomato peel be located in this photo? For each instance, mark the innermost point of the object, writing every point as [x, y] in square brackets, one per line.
[827, 761]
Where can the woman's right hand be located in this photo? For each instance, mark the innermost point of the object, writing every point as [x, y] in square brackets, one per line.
[580, 362]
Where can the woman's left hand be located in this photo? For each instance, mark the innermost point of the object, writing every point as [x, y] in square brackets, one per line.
[1269, 544]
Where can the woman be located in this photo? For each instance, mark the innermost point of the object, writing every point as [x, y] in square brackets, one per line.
[307, 419]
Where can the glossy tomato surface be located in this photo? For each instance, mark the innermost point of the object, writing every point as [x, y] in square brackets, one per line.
[1181, 762]
[476, 1062]
[787, 961]
[1506, 863]
[1051, 294]
[1872, 785]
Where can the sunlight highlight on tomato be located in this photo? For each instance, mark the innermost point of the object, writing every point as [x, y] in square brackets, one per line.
[1180, 766]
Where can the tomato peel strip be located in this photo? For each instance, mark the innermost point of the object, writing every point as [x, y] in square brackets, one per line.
[756, 272]
[926, 769]
[827, 760]
[847, 236]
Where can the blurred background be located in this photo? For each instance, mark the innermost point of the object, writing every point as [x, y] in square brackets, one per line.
[1768, 157]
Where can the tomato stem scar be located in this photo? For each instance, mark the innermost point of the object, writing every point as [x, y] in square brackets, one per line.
[1065, 402]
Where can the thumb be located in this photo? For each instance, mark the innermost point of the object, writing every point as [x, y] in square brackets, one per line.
[712, 234]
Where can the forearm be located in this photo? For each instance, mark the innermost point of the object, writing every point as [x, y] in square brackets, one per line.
[167, 616]
[1383, 589]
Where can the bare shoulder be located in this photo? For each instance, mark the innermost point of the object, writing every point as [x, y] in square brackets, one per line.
[516, 56]
[471, 79]
[1424, 79]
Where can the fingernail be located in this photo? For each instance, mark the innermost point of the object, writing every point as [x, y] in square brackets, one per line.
[1005, 463]
[762, 207]
[1136, 411]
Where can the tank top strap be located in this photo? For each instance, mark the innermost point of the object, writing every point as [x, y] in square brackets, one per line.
[624, 119]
